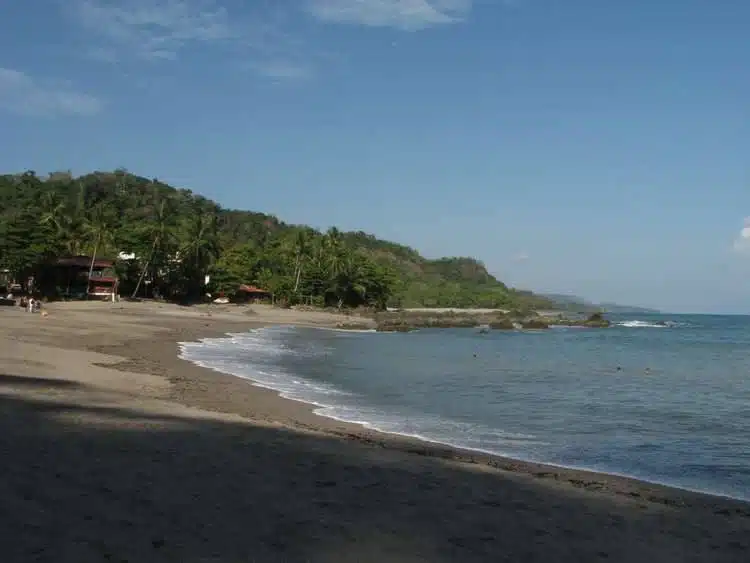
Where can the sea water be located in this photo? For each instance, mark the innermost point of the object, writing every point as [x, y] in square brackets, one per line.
[668, 404]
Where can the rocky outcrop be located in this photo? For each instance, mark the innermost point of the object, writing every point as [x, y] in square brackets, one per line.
[595, 320]
[503, 324]
[534, 323]
[405, 321]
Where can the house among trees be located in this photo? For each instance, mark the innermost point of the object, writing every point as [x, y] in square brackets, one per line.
[251, 294]
[168, 240]
[76, 277]
[6, 278]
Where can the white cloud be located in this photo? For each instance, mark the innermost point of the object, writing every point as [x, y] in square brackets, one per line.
[162, 30]
[742, 242]
[151, 29]
[401, 14]
[521, 257]
[21, 94]
[254, 35]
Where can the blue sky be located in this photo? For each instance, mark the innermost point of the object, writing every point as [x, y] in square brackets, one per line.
[593, 147]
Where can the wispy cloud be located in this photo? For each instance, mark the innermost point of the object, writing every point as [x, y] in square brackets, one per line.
[742, 242]
[21, 94]
[150, 29]
[521, 257]
[262, 36]
[410, 15]
[118, 31]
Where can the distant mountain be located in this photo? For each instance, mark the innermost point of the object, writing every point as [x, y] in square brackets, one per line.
[615, 308]
[573, 302]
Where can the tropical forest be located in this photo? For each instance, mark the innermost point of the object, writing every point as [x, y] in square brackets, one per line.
[182, 246]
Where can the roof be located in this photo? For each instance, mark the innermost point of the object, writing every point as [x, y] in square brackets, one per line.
[251, 289]
[82, 261]
[95, 280]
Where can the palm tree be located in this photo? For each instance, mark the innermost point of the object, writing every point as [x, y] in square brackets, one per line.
[159, 232]
[335, 251]
[301, 250]
[54, 212]
[99, 228]
[68, 219]
[348, 279]
[202, 245]
[75, 224]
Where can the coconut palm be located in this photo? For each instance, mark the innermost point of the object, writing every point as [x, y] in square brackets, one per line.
[54, 212]
[99, 227]
[301, 249]
[159, 232]
[348, 281]
[76, 222]
[335, 251]
[201, 247]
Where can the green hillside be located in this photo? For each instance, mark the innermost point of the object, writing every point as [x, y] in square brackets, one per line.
[178, 237]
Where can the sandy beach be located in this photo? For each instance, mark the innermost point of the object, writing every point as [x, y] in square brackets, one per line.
[114, 449]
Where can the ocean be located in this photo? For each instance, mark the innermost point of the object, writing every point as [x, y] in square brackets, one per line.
[666, 404]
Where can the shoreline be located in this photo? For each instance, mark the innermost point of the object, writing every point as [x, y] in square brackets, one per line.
[446, 450]
[304, 416]
[365, 432]
[130, 354]
[300, 414]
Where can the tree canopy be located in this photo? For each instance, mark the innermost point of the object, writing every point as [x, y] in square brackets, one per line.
[178, 238]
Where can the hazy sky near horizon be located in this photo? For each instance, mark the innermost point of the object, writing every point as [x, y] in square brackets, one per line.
[592, 147]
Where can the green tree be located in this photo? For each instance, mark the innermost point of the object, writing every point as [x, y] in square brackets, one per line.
[302, 248]
[236, 265]
[199, 250]
[180, 236]
[158, 229]
[99, 228]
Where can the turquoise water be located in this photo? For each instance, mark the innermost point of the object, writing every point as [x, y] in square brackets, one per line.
[666, 404]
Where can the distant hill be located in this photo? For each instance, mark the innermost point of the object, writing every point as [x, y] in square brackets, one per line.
[573, 302]
[615, 308]
[456, 281]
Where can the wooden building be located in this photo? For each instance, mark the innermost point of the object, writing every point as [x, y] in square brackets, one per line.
[69, 278]
[251, 294]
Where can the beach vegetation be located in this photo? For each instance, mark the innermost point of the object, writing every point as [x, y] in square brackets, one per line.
[180, 245]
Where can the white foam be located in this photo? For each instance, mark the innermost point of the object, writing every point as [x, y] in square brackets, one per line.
[345, 330]
[650, 324]
[258, 362]
[260, 351]
[640, 324]
[254, 356]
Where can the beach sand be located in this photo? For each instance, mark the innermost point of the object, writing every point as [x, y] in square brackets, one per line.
[114, 449]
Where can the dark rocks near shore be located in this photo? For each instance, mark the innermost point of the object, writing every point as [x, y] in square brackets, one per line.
[534, 323]
[505, 323]
[406, 321]
[595, 320]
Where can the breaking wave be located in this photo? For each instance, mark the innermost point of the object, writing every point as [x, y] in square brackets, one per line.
[651, 324]
[260, 355]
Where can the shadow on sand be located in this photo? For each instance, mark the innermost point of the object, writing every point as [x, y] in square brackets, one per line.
[89, 484]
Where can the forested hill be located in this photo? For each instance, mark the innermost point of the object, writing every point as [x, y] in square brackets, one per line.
[178, 237]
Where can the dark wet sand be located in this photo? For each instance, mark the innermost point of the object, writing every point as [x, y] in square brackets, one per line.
[114, 449]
